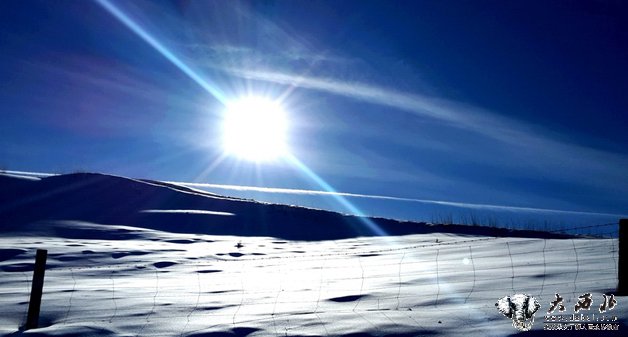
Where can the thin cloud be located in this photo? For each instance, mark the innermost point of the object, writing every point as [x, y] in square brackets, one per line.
[383, 197]
[529, 145]
[31, 174]
[457, 114]
[186, 211]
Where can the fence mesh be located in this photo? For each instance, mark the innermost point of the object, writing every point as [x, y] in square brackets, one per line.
[394, 285]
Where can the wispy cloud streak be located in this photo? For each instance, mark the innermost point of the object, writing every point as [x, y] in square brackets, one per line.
[529, 145]
[186, 211]
[390, 198]
[26, 173]
[439, 109]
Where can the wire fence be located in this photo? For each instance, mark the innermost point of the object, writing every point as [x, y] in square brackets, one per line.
[310, 291]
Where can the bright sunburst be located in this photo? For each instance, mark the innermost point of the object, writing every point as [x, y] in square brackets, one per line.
[254, 128]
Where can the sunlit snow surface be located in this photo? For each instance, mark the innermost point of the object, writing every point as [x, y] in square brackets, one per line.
[125, 281]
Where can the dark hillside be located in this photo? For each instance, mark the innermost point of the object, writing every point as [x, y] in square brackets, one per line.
[106, 199]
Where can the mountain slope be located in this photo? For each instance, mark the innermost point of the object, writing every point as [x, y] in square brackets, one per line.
[108, 199]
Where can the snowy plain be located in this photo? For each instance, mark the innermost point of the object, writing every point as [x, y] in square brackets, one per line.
[137, 258]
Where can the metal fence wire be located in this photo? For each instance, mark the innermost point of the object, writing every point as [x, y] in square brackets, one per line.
[303, 291]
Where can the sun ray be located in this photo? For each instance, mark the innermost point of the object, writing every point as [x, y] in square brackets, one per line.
[211, 167]
[163, 50]
[352, 209]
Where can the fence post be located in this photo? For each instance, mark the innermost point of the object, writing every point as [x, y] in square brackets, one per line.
[622, 263]
[32, 322]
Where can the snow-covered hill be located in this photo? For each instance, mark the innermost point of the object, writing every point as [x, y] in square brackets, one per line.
[140, 258]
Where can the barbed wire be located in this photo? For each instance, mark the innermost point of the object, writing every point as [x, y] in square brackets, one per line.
[371, 265]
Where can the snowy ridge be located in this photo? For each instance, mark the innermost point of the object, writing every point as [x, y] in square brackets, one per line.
[106, 199]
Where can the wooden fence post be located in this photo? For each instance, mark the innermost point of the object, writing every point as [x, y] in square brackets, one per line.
[622, 263]
[32, 322]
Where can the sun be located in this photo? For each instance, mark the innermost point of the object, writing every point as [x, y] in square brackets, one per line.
[254, 129]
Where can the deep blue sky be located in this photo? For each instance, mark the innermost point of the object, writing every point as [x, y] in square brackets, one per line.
[514, 103]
